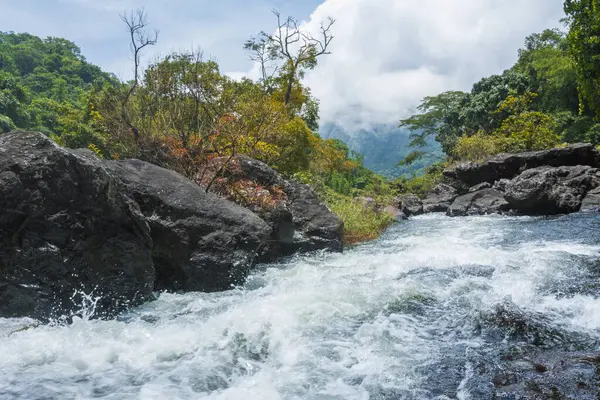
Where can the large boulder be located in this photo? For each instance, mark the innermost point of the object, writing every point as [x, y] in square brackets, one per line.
[201, 241]
[484, 201]
[550, 190]
[299, 221]
[409, 204]
[440, 198]
[67, 230]
[507, 166]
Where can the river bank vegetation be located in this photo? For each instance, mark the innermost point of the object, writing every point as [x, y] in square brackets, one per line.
[547, 99]
[181, 111]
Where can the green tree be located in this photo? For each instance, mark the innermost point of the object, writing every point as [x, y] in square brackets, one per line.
[545, 60]
[530, 130]
[584, 47]
[440, 117]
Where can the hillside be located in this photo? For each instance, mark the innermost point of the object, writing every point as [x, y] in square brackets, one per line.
[382, 147]
[45, 86]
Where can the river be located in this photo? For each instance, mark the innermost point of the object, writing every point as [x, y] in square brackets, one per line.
[409, 316]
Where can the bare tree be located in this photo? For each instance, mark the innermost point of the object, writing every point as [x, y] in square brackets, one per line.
[297, 48]
[264, 53]
[136, 22]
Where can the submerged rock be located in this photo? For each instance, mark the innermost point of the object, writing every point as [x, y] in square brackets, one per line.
[201, 241]
[481, 202]
[550, 190]
[440, 198]
[529, 357]
[67, 227]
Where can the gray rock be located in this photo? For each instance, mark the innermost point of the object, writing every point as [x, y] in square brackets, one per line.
[201, 241]
[591, 201]
[67, 228]
[440, 198]
[307, 223]
[550, 190]
[395, 213]
[501, 184]
[533, 358]
[409, 204]
[507, 166]
[481, 186]
[485, 201]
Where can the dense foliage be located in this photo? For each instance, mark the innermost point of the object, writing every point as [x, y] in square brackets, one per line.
[181, 111]
[531, 106]
[45, 85]
[550, 97]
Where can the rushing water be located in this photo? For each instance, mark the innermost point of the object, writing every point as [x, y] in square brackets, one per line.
[398, 318]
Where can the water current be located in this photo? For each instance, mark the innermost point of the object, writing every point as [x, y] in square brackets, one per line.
[409, 316]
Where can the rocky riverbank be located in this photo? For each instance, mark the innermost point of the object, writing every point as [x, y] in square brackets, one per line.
[72, 223]
[549, 182]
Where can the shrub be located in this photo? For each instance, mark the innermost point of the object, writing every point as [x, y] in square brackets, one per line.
[6, 124]
[421, 185]
[477, 147]
[531, 130]
[360, 223]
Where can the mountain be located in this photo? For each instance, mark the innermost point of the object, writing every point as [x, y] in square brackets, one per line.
[382, 146]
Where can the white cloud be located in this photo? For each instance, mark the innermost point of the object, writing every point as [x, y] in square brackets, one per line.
[388, 54]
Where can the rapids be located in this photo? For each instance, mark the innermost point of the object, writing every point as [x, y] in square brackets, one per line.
[409, 316]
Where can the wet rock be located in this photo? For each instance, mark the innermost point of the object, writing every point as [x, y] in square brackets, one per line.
[507, 166]
[409, 204]
[517, 373]
[440, 198]
[509, 322]
[308, 224]
[481, 202]
[201, 241]
[484, 271]
[550, 190]
[527, 356]
[67, 227]
[591, 201]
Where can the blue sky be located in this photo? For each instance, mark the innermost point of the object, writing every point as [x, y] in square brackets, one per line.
[387, 54]
[218, 27]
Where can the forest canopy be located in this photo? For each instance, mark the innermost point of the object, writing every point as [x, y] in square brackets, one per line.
[182, 111]
[549, 97]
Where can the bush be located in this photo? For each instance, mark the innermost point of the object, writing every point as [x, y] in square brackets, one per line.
[531, 130]
[360, 223]
[6, 124]
[477, 147]
[421, 185]
[593, 135]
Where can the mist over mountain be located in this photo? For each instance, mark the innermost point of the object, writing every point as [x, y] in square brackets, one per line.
[382, 146]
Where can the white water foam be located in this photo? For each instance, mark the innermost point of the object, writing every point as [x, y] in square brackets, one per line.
[323, 326]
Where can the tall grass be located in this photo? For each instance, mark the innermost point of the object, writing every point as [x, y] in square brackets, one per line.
[361, 223]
